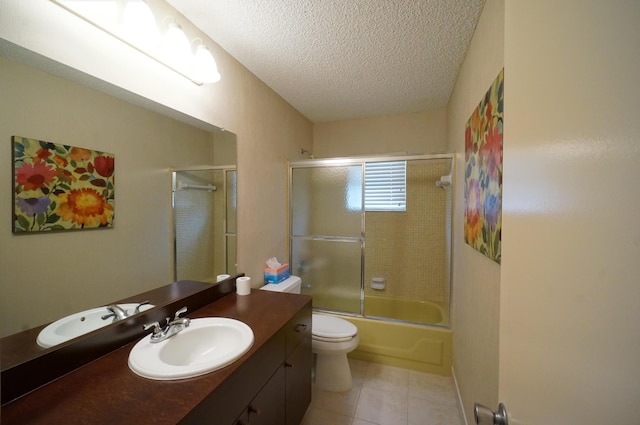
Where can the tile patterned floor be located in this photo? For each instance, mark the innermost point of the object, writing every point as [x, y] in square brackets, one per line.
[386, 395]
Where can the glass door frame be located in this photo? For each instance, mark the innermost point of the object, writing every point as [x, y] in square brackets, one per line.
[346, 161]
[174, 188]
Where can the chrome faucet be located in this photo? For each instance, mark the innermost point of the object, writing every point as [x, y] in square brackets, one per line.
[173, 326]
[119, 313]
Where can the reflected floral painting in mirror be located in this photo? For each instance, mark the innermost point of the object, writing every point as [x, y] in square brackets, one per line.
[483, 173]
[60, 187]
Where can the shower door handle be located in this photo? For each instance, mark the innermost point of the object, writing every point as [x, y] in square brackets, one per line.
[484, 416]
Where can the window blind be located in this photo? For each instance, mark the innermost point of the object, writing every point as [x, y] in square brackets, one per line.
[385, 186]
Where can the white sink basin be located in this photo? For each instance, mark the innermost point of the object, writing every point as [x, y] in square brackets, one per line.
[77, 324]
[208, 344]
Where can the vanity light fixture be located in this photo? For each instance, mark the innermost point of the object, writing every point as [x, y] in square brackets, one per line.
[139, 24]
[176, 49]
[205, 69]
[134, 23]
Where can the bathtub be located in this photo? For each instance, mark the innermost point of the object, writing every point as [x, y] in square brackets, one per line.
[408, 345]
[420, 312]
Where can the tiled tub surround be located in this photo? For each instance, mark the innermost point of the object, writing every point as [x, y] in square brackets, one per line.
[387, 395]
[409, 248]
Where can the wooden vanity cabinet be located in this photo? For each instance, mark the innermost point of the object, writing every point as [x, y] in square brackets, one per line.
[286, 397]
[268, 407]
[270, 385]
[298, 365]
[273, 387]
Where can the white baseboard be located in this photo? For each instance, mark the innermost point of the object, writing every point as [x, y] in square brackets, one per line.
[460, 405]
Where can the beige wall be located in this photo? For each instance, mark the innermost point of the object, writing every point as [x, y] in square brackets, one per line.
[553, 332]
[569, 316]
[418, 133]
[46, 276]
[476, 278]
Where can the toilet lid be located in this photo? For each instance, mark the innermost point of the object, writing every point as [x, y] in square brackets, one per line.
[329, 327]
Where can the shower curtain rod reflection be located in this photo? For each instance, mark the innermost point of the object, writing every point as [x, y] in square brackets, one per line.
[186, 186]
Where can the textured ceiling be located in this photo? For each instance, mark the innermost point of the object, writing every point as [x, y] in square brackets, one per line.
[343, 59]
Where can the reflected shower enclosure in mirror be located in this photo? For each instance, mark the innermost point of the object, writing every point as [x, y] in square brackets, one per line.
[204, 212]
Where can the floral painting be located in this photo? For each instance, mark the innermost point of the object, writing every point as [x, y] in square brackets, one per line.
[59, 187]
[483, 173]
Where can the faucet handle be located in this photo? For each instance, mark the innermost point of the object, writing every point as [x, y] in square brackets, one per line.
[179, 312]
[107, 316]
[183, 322]
[137, 310]
[155, 325]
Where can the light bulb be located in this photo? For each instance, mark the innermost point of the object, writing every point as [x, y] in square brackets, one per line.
[139, 25]
[176, 48]
[205, 69]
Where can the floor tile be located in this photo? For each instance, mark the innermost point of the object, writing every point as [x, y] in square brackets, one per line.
[339, 402]
[382, 407]
[421, 413]
[386, 395]
[358, 371]
[387, 378]
[317, 416]
[439, 389]
[357, 421]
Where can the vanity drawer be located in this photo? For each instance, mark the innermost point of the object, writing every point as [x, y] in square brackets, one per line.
[298, 328]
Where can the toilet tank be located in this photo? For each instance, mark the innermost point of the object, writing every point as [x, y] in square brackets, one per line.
[292, 284]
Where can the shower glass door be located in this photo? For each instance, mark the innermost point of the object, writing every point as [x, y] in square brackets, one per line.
[327, 234]
[401, 270]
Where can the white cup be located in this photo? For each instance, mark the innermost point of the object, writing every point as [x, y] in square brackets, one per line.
[243, 285]
[222, 277]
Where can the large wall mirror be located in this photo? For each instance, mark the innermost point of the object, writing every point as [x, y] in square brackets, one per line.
[49, 276]
[204, 207]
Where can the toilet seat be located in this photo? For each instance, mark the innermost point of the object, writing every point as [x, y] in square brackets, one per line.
[323, 339]
[331, 329]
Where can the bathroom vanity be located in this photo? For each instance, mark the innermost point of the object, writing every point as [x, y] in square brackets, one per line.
[270, 384]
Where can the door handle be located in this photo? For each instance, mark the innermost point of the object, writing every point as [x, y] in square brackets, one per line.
[484, 416]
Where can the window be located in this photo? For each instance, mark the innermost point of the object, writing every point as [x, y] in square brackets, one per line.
[384, 186]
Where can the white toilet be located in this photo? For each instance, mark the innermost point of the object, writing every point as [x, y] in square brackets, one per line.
[331, 339]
